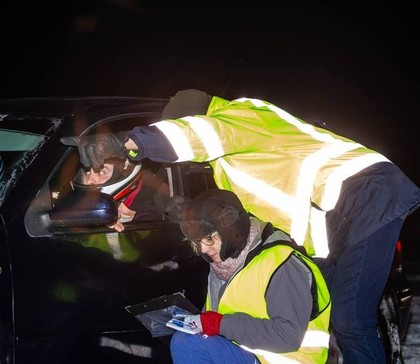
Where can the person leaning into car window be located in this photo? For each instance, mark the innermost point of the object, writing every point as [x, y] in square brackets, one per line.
[122, 179]
[266, 302]
[344, 202]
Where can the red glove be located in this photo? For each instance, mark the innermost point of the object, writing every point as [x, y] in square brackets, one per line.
[210, 322]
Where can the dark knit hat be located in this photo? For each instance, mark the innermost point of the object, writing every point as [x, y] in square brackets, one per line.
[186, 103]
[221, 211]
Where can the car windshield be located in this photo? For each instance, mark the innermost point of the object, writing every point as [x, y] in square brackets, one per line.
[19, 145]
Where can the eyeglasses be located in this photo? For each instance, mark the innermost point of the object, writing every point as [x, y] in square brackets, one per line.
[207, 241]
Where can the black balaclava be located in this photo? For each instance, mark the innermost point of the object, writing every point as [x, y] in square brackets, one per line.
[221, 211]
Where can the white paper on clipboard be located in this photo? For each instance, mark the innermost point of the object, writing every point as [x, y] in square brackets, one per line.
[156, 313]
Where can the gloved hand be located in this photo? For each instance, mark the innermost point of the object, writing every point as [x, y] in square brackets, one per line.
[95, 149]
[210, 322]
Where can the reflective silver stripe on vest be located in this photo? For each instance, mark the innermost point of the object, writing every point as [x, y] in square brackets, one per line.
[318, 227]
[268, 193]
[178, 140]
[312, 339]
[181, 144]
[316, 339]
[208, 136]
[351, 167]
[307, 176]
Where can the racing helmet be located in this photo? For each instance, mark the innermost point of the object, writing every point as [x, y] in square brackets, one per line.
[125, 178]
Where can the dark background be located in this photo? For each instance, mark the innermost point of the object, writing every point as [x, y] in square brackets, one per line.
[354, 66]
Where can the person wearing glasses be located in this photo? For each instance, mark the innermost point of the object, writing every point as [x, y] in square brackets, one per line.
[265, 301]
[344, 202]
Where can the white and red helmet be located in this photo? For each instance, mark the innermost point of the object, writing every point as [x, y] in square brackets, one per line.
[125, 179]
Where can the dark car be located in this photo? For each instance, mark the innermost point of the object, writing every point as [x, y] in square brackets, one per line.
[64, 283]
[65, 276]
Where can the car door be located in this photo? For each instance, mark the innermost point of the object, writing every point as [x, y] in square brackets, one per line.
[69, 286]
[83, 277]
[6, 297]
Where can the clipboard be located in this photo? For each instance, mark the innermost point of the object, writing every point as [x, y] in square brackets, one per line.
[155, 314]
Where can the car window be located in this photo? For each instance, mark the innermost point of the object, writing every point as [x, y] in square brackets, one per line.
[154, 192]
[160, 182]
[19, 145]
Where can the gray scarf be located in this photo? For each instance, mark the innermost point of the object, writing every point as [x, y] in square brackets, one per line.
[225, 270]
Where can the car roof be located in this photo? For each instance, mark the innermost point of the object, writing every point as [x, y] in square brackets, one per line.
[27, 124]
[67, 106]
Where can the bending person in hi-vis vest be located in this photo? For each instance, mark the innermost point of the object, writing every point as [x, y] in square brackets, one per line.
[337, 198]
[265, 300]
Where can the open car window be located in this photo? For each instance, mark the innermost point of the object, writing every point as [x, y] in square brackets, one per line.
[160, 182]
[53, 211]
[20, 143]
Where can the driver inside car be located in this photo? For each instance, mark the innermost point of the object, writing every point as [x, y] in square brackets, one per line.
[123, 180]
[138, 189]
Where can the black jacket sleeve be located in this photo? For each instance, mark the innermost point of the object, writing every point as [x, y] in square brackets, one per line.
[152, 144]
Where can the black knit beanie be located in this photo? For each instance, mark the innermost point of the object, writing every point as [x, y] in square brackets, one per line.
[186, 103]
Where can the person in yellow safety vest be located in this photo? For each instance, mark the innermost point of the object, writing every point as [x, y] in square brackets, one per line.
[265, 299]
[341, 200]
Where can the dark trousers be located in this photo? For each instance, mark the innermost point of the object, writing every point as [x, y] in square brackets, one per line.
[356, 286]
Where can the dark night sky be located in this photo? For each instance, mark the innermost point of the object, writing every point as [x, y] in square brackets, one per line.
[352, 66]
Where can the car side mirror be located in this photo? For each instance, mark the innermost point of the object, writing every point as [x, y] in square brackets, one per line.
[73, 211]
[84, 209]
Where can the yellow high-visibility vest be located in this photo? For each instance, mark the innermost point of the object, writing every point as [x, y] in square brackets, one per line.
[255, 277]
